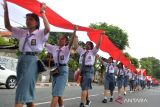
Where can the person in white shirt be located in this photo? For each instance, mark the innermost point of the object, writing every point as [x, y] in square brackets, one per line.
[60, 53]
[141, 77]
[109, 78]
[86, 60]
[131, 80]
[31, 42]
[126, 79]
[120, 78]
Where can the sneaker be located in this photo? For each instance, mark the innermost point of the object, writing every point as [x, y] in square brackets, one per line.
[104, 101]
[81, 105]
[88, 103]
[111, 100]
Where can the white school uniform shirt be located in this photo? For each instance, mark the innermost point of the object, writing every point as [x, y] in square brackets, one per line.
[126, 72]
[122, 71]
[90, 56]
[133, 76]
[112, 67]
[141, 77]
[63, 56]
[130, 75]
[35, 42]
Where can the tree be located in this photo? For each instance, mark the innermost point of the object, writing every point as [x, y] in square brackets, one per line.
[133, 60]
[4, 42]
[118, 37]
[152, 66]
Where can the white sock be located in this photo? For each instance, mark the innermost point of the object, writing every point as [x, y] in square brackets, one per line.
[61, 106]
[105, 97]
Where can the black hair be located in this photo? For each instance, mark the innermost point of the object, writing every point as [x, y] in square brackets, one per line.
[35, 17]
[110, 58]
[120, 65]
[91, 44]
[65, 35]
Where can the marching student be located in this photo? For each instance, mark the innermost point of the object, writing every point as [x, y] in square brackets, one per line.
[131, 81]
[120, 78]
[86, 61]
[135, 82]
[142, 81]
[109, 78]
[31, 42]
[60, 53]
[126, 79]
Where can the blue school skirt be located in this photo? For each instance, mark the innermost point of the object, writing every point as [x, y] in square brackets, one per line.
[87, 76]
[59, 82]
[109, 81]
[120, 81]
[27, 75]
[126, 81]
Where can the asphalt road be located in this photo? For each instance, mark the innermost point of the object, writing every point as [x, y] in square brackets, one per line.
[145, 98]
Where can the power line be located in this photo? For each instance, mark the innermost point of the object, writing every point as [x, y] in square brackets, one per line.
[13, 20]
[2, 28]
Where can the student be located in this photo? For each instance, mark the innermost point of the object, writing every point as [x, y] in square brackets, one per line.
[135, 82]
[120, 79]
[126, 79]
[31, 42]
[130, 74]
[87, 59]
[60, 53]
[109, 78]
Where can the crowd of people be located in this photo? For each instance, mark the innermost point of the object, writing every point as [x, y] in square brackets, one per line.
[32, 40]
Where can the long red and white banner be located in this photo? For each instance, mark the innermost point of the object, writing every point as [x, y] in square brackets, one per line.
[93, 34]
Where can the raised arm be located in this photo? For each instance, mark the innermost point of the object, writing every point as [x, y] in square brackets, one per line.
[99, 40]
[73, 36]
[45, 20]
[75, 41]
[100, 59]
[6, 17]
[118, 58]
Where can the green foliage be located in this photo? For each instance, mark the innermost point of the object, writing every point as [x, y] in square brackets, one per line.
[133, 60]
[42, 54]
[118, 37]
[152, 66]
[53, 38]
[4, 42]
[73, 65]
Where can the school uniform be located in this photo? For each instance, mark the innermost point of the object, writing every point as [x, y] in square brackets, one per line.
[131, 80]
[120, 77]
[136, 80]
[61, 58]
[86, 60]
[27, 70]
[109, 78]
[126, 77]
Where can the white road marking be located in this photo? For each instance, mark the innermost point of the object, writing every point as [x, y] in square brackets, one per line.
[67, 99]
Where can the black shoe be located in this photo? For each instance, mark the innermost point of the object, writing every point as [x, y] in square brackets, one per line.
[88, 103]
[81, 105]
[104, 101]
[111, 100]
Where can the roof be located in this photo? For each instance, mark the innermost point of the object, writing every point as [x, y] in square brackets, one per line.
[5, 33]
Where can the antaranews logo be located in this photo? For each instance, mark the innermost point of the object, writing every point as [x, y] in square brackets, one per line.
[122, 100]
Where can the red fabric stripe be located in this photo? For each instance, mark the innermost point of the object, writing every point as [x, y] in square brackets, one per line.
[58, 21]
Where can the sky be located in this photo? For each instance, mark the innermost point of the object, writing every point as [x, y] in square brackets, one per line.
[140, 19]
